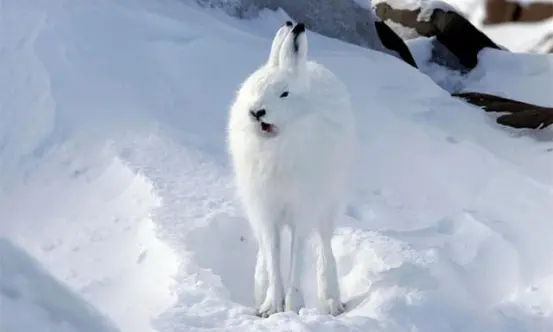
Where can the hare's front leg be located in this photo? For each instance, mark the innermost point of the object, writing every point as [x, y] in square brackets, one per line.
[294, 296]
[327, 275]
[274, 299]
[261, 281]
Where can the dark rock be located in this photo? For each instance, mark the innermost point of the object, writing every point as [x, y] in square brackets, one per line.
[521, 115]
[392, 41]
[450, 28]
[502, 11]
[461, 37]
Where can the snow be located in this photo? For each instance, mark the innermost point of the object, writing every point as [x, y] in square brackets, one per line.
[528, 34]
[31, 300]
[114, 175]
[515, 36]
[495, 73]
[544, 46]
[85, 215]
[497, 70]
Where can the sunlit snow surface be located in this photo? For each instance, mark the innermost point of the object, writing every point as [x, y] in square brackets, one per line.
[114, 175]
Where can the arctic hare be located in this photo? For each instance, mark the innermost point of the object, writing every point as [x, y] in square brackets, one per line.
[290, 137]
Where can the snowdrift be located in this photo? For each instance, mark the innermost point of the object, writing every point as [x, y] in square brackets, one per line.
[32, 300]
[114, 175]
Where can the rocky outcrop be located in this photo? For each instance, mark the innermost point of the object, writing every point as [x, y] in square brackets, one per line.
[411, 18]
[502, 11]
[520, 114]
[392, 41]
[450, 28]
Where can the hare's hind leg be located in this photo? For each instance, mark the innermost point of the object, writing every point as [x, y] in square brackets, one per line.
[294, 296]
[327, 275]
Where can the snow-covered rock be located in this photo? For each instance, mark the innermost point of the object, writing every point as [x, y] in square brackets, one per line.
[347, 20]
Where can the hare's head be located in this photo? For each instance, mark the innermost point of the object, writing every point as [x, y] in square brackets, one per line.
[274, 95]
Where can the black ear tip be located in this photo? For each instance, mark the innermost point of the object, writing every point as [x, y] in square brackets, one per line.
[299, 28]
[289, 23]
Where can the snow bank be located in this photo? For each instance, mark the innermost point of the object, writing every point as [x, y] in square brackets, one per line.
[515, 36]
[65, 196]
[498, 71]
[129, 197]
[87, 217]
[527, 34]
[32, 300]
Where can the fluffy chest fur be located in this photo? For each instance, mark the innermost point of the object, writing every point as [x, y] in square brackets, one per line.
[305, 165]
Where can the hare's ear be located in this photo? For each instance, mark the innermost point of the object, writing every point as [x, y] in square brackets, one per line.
[293, 53]
[277, 43]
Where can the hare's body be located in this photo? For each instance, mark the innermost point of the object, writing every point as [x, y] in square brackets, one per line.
[291, 158]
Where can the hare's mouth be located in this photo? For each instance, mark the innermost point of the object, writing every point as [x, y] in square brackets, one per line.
[268, 128]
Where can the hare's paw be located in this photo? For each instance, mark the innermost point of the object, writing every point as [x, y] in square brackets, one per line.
[273, 303]
[333, 307]
[294, 300]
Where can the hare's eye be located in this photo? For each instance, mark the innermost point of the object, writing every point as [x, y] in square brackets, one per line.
[284, 94]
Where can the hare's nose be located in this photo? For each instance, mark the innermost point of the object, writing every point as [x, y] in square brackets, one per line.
[258, 114]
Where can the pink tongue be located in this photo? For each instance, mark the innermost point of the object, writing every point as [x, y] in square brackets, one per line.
[266, 127]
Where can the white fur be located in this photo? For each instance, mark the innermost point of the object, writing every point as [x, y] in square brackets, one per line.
[296, 178]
